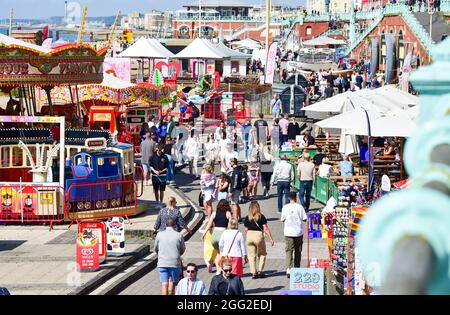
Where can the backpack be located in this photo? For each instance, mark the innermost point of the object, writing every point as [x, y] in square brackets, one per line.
[195, 112]
[244, 178]
[163, 131]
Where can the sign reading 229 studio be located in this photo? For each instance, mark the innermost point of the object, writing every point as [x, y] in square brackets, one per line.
[307, 279]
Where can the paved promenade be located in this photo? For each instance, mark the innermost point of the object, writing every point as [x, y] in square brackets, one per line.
[35, 260]
[275, 265]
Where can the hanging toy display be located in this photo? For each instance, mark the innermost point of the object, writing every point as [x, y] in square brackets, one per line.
[156, 78]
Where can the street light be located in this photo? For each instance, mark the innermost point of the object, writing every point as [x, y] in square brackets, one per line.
[430, 12]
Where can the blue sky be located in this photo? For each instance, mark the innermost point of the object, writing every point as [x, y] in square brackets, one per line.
[46, 8]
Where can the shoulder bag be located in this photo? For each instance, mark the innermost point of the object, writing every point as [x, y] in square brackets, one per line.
[226, 256]
[262, 230]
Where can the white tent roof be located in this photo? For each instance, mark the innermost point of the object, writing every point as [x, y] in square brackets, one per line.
[323, 40]
[9, 41]
[201, 48]
[248, 43]
[144, 48]
[233, 54]
[161, 47]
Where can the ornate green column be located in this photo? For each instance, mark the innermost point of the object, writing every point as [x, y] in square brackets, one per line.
[404, 239]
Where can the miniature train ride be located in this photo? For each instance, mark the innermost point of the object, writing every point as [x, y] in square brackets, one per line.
[93, 177]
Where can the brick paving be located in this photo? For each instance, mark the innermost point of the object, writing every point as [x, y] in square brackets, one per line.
[275, 264]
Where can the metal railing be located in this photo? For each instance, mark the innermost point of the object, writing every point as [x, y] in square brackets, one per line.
[194, 17]
[101, 200]
[28, 203]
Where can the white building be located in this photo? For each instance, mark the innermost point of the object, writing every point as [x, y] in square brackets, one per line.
[339, 6]
[158, 23]
[316, 6]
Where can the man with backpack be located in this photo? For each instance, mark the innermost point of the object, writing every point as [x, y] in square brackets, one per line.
[237, 181]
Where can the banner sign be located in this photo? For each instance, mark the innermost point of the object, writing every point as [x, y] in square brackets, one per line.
[270, 64]
[115, 236]
[87, 252]
[94, 229]
[119, 67]
[307, 279]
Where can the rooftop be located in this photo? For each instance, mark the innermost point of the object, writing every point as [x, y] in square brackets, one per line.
[219, 3]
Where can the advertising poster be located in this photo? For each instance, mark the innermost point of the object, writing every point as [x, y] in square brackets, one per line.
[115, 236]
[87, 252]
[94, 229]
[119, 67]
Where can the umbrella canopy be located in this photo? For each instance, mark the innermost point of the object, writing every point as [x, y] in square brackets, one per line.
[387, 95]
[143, 48]
[383, 123]
[323, 40]
[201, 48]
[333, 104]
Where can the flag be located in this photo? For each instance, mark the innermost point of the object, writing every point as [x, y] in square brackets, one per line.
[45, 31]
[270, 64]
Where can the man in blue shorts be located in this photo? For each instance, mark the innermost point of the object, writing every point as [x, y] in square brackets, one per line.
[169, 245]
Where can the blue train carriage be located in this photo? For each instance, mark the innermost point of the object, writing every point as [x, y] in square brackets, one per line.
[99, 181]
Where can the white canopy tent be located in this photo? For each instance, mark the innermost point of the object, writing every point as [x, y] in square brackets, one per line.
[323, 40]
[231, 53]
[145, 48]
[248, 43]
[160, 47]
[201, 48]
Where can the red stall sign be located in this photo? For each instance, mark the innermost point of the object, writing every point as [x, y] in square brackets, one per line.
[95, 229]
[87, 254]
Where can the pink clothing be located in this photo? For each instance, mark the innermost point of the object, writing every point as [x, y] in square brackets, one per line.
[284, 123]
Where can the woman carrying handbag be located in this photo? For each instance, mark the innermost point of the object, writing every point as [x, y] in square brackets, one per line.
[232, 246]
[256, 229]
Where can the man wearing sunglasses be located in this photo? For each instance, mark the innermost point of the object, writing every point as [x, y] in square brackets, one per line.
[191, 285]
[226, 283]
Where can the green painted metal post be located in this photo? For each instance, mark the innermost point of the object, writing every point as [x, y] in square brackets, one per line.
[418, 216]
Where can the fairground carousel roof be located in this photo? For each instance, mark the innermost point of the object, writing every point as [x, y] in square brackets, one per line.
[113, 90]
[22, 63]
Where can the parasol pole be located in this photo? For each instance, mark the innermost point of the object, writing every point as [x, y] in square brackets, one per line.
[10, 21]
[82, 26]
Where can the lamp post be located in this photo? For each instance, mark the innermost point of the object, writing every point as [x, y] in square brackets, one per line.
[430, 12]
[199, 18]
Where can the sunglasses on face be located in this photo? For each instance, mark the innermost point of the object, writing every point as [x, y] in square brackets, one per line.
[226, 270]
[190, 271]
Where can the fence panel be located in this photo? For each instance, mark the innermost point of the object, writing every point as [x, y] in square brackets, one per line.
[101, 200]
[31, 203]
